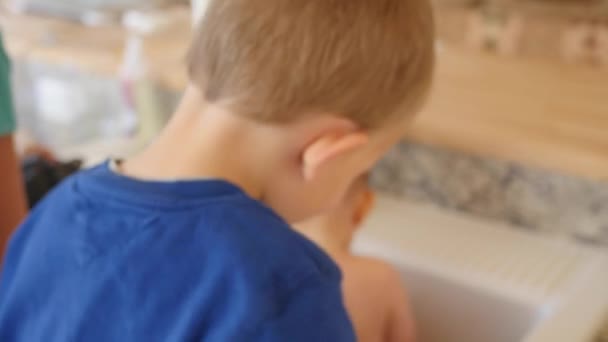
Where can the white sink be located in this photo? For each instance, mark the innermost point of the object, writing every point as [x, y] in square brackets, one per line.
[474, 281]
[452, 311]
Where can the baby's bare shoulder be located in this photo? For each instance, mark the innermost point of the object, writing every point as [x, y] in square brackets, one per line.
[379, 269]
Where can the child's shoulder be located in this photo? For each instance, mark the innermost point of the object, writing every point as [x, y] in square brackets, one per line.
[258, 237]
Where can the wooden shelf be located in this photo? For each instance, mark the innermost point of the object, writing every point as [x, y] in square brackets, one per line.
[551, 115]
[96, 50]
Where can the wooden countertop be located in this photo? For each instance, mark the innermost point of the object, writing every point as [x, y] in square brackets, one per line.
[542, 113]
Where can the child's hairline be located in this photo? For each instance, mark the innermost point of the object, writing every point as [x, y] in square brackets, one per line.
[406, 110]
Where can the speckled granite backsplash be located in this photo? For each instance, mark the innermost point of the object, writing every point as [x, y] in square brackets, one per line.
[524, 196]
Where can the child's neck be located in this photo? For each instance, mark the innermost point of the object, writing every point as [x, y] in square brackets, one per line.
[202, 141]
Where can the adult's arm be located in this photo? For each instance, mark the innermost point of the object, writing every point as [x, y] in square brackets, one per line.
[12, 195]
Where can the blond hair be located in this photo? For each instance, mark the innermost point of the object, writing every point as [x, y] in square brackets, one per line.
[278, 60]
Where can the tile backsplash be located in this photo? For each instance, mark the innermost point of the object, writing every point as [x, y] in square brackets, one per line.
[524, 196]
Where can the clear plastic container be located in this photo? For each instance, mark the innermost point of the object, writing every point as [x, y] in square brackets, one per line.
[61, 106]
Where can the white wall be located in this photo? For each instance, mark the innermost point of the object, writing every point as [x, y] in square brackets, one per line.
[198, 9]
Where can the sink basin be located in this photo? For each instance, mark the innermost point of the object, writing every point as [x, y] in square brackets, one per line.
[452, 311]
[474, 281]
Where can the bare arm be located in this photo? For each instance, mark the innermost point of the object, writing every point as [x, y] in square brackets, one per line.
[12, 196]
[401, 324]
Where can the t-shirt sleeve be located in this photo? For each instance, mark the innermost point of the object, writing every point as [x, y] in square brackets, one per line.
[313, 312]
[7, 120]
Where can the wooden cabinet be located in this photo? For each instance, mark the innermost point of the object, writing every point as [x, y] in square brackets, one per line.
[544, 113]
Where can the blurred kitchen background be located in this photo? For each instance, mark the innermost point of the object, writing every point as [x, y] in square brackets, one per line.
[516, 130]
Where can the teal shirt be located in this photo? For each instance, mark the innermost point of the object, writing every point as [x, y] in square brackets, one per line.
[7, 119]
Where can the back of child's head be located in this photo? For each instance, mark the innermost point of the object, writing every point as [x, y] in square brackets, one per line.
[277, 61]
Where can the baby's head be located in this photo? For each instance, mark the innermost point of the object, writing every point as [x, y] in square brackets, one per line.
[350, 213]
[336, 227]
[331, 84]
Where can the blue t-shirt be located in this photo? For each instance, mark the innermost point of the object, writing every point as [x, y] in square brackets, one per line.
[109, 258]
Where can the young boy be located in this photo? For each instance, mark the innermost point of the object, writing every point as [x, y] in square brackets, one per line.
[289, 102]
[373, 292]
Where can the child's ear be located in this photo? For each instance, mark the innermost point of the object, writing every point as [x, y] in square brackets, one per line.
[364, 207]
[337, 140]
